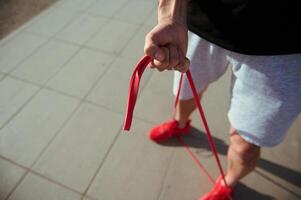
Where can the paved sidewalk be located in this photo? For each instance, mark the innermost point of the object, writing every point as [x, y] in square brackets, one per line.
[64, 78]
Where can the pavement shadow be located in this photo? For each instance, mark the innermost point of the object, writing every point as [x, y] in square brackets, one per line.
[198, 139]
[246, 193]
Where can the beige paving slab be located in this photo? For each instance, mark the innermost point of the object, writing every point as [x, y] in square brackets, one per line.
[17, 49]
[134, 169]
[291, 147]
[53, 22]
[77, 5]
[282, 170]
[9, 176]
[78, 150]
[152, 19]
[9, 37]
[112, 37]
[184, 180]
[135, 11]
[13, 95]
[32, 20]
[156, 101]
[184, 175]
[260, 186]
[34, 187]
[79, 75]
[81, 29]
[112, 90]
[135, 48]
[43, 64]
[23, 139]
[105, 8]
[39, 16]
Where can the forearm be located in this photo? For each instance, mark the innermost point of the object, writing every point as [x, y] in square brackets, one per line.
[175, 10]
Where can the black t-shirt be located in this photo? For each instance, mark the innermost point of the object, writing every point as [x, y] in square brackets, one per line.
[255, 27]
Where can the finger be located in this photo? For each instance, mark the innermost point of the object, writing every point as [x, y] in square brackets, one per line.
[185, 67]
[173, 57]
[162, 65]
[182, 59]
[183, 62]
[152, 49]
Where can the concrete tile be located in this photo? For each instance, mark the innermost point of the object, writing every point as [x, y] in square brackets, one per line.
[184, 175]
[9, 37]
[23, 139]
[106, 8]
[112, 89]
[269, 188]
[135, 11]
[134, 48]
[79, 75]
[290, 146]
[134, 169]
[17, 49]
[283, 172]
[39, 16]
[1, 76]
[81, 29]
[155, 103]
[34, 187]
[28, 22]
[152, 20]
[9, 176]
[46, 62]
[53, 22]
[112, 37]
[13, 95]
[74, 156]
[77, 5]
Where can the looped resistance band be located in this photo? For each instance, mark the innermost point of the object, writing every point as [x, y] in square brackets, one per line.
[132, 97]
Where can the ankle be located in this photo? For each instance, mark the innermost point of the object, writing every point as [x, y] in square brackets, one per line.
[182, 122]
[231, 181]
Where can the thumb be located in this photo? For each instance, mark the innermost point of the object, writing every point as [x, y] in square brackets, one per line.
[154, 51]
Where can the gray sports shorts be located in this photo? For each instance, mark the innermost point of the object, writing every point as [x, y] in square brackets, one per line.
[265, 90]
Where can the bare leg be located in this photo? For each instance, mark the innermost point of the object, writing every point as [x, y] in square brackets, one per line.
[185, 108]
[242, 158]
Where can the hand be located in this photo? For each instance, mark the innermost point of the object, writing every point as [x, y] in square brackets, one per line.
[167, 44]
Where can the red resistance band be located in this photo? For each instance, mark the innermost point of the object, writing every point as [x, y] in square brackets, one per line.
[132, 97]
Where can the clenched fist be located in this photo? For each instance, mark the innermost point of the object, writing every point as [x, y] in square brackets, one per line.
[167, 44]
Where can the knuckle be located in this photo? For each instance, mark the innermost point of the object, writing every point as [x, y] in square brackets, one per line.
[174, 61]
[147, 49]
[161, 65]
[149, 43]
[151, 36]
[182, 61]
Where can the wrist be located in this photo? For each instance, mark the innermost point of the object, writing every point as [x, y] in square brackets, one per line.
[174, 11]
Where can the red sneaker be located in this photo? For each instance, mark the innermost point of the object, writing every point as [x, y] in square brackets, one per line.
[219, 192]
[167, 130]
